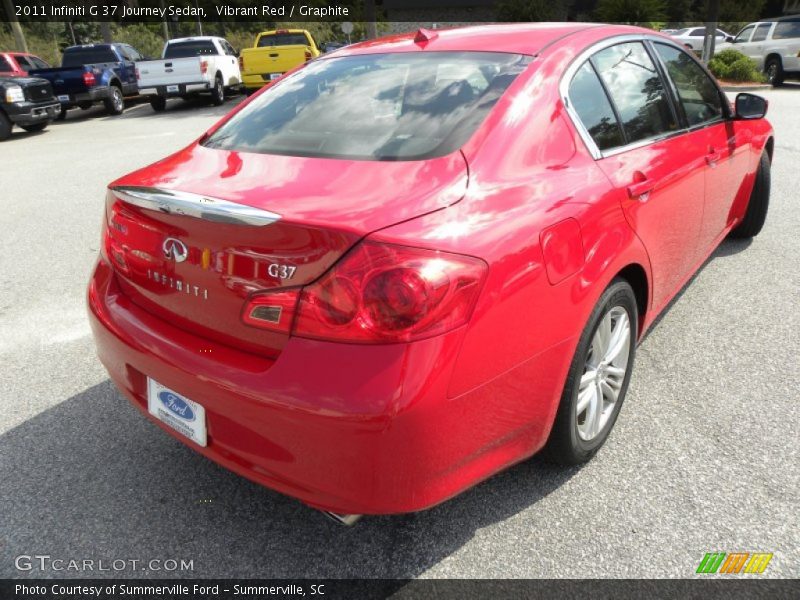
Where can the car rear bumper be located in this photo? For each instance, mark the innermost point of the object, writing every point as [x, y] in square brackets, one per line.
[175, 90]
[31, 113]
[257, 81]
[350, 428]
[94, 94]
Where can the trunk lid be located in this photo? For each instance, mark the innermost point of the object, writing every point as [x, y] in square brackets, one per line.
[170, 71]
[192, 237]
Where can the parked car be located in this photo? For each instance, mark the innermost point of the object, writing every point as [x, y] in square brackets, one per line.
[774, 45]
[693, 37]
[190, 66]
[17, 64]
[328, 47]
[275, 53]
[371, 290]
[27, 102]
[94, 73]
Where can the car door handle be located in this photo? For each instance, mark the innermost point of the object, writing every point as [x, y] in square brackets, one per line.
[640, 190]
[712, 157]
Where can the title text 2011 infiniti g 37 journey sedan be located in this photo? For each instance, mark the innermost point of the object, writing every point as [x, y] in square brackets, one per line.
[418, 260]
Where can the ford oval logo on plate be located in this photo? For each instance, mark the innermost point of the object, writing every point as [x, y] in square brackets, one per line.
[176, 405]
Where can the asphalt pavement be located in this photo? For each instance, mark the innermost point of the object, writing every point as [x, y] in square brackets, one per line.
[704, 457]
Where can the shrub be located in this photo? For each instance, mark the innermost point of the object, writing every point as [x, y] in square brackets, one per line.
[732, 65]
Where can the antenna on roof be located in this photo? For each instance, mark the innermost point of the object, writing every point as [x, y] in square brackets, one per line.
[424, 36]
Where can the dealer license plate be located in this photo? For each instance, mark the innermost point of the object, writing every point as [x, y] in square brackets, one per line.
[183, 415]
[173, 88]
[63, 98]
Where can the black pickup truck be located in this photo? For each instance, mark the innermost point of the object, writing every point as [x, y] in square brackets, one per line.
[94, 73]
[27, 102]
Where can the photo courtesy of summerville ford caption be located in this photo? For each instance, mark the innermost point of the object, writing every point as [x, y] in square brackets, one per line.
[413, 262]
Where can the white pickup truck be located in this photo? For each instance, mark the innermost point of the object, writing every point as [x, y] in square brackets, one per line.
[188, 66]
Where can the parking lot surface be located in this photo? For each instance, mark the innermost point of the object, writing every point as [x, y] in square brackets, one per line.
[704, 457]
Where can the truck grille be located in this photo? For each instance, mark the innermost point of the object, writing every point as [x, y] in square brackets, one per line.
[38, 92]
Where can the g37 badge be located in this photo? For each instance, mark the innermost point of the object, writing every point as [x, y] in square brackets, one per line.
[281, 271]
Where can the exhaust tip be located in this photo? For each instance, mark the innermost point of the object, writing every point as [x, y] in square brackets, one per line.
[347, 520]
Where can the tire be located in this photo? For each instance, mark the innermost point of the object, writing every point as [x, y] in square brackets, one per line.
[773, 69]
[34, 128]
[62, 114]
[576, 436]
[158, 103]
[758, 205]
[115, 103]
[218, 92]
[5, 126]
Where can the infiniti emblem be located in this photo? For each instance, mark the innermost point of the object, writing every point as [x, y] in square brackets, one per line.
[175, 249]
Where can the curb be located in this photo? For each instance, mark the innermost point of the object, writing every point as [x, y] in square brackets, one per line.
[747, 88]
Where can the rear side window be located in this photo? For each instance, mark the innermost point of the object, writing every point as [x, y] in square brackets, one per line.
[589, 100]
[402, 106]
[760, 34]
[5, 65]
[637, 91]
[23, 63]
[283, 39]
[189, 49]
[698, 95]
[76, 57]
[38, 63]
[786, 30]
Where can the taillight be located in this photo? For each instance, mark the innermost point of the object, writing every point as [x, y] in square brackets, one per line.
[382, 293]
[138, 77]
[89, 79]
[241, 63]
[308, 55]
[203, 66]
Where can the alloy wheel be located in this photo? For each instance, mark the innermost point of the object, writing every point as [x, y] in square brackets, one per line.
[604, 373]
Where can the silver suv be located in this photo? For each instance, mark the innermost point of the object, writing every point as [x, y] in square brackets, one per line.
[773, 44]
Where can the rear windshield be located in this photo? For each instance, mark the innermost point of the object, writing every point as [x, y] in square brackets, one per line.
[76, 57]
[187, 49]
[283, 39]
[403, 106]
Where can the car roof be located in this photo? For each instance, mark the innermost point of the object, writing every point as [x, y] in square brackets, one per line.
[196, 38]
[517, 38]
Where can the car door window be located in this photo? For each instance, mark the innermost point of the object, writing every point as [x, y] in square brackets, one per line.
[228, 48]
[760, 34]
[744, 35]
[637, 91]
[590, 103]
[6, 66]
[131, 53]
[698, 95]
[699, 32]
[38, 63]
[786, 30]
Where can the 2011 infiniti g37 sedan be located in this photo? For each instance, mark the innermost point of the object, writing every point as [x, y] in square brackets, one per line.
[416, 261]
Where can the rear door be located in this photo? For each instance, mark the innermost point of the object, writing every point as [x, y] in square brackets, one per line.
[642, 152]
[700, 103]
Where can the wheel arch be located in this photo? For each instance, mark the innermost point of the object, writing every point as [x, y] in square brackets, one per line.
[770, 147]
[772, 55]
[636, 275]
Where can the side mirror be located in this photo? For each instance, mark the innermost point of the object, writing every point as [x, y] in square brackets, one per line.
[750, 106]
[730, 39]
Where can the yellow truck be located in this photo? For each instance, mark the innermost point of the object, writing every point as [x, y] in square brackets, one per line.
[274, 53]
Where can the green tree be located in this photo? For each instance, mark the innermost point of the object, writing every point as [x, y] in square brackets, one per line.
[630, 11]
[530, 10]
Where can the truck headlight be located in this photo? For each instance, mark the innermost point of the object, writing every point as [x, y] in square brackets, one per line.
[14, 94]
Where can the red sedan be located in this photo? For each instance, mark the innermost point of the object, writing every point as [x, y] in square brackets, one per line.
[418, 260]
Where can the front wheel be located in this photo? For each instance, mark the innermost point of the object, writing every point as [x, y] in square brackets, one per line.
[758, 205]
[598, 378]
[115, 103]
[5, 126]
[218, 92]
[35, 127]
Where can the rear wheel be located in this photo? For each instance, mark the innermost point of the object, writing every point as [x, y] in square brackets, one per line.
[158, 103]
[115, 103]
[774, 71]
[598, 378]
[5, 126]
[758, 205]
[35, 127]
[218, 92]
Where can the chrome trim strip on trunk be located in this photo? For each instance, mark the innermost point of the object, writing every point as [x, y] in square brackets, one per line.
[175, 202]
